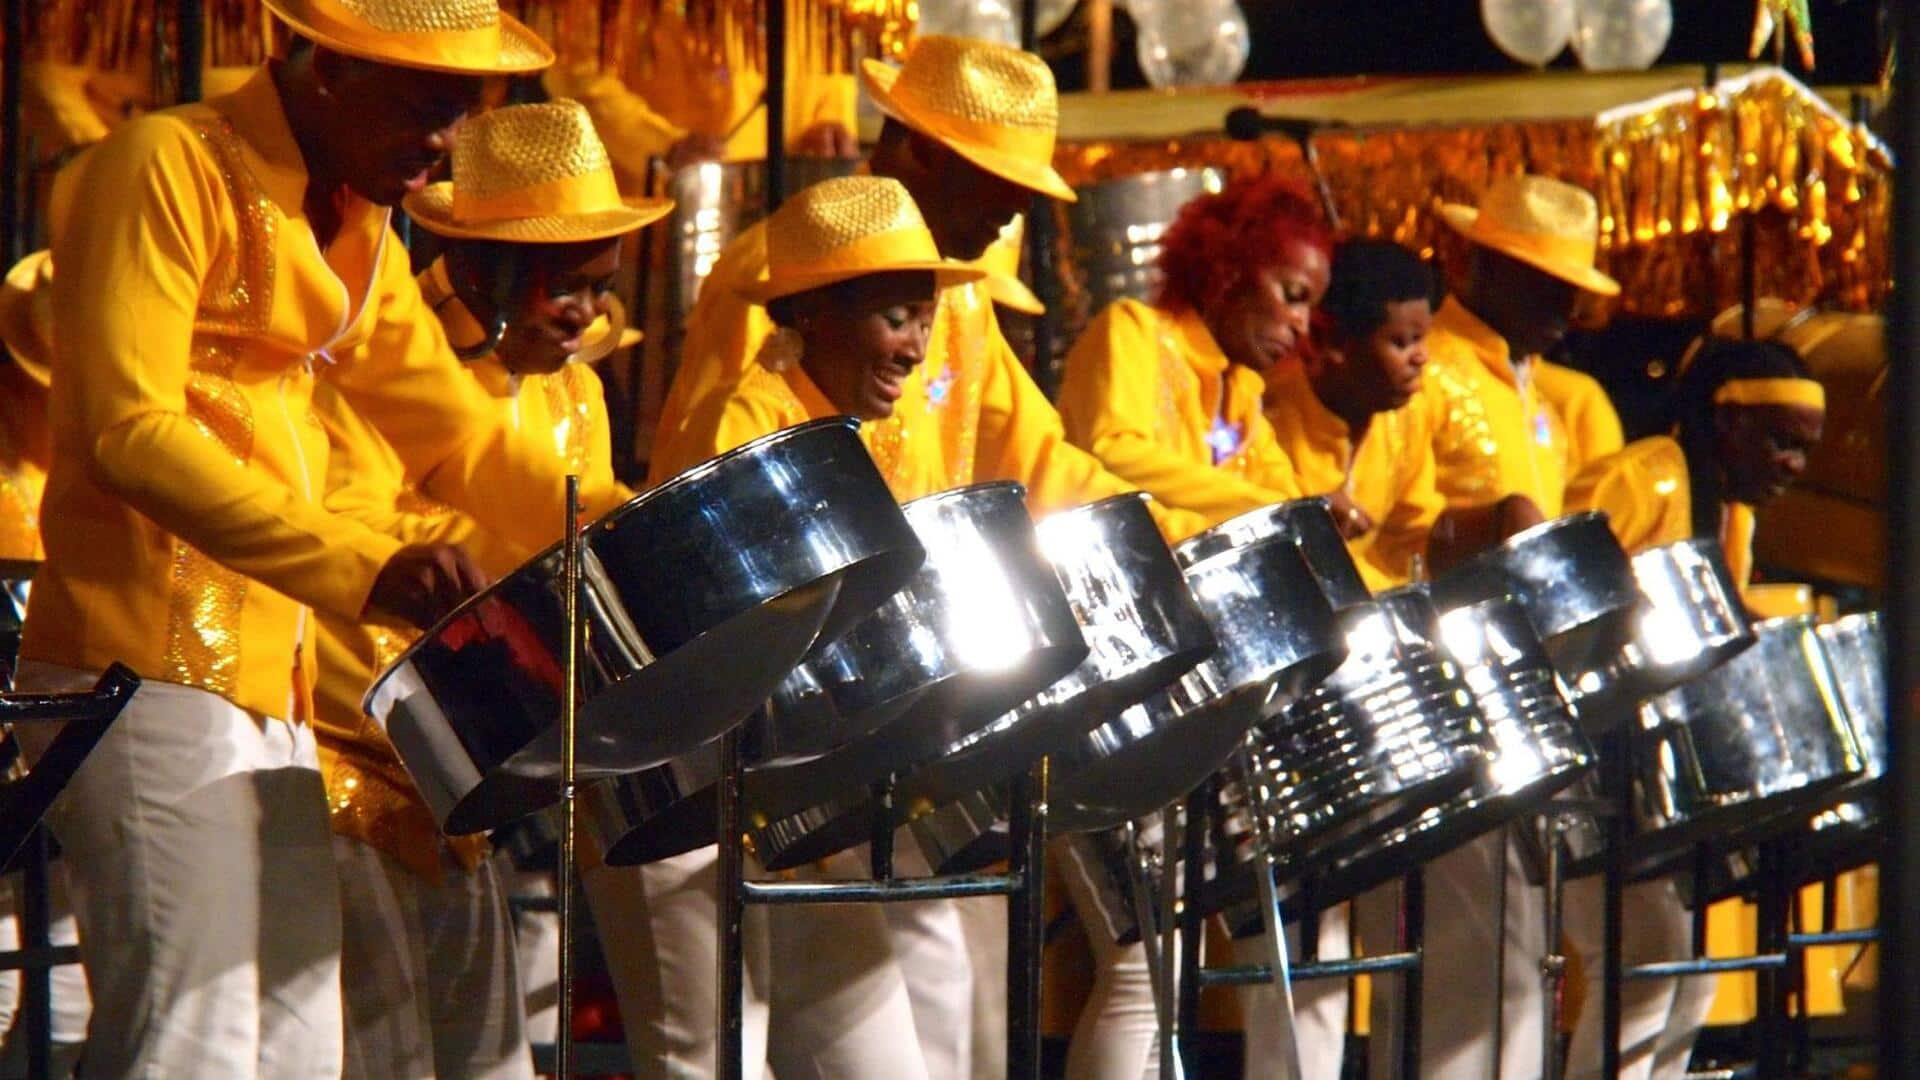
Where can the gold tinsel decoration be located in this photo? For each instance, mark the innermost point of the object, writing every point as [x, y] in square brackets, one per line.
[1677, 180]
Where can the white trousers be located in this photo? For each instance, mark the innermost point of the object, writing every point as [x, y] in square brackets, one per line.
[1461, 976]
[1659, 1018]
[929, 941]
[71, 1003]
[429, 972]
[823, 995]
[1116, 1037]
[536, 936]
[983, 922]
[196, 842]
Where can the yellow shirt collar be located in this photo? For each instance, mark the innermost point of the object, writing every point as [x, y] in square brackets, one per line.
[1485, 342]
[1198, 345]
[809, 395]
[1318, 423]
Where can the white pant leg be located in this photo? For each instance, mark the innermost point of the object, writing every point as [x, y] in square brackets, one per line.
[383, 968]
[659, 929]
[72, 1005]
[1376, 919]
[1117, 1035]
[1654, 927]
[1460, 977]
[475, 1002]
[1319, 1006]
[840, 1005]
[1692, 1004]
[929, 941]
[983, 920]
[536, 936]
[196, 840]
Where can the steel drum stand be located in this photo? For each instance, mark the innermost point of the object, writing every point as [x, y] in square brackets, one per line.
[85, 718]
[1021, 885]
[1279, 970]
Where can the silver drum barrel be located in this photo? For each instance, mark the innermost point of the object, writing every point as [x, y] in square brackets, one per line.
[1116, 228]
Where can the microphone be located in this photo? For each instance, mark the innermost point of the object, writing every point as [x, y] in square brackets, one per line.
[1247, 124]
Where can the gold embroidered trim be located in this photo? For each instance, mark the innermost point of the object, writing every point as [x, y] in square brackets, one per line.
[237, 297]
[205, 599]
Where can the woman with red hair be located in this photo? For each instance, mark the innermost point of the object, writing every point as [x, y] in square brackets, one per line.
[1168, 394]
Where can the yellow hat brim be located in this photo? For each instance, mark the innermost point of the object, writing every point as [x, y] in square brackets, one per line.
[1011, 292]
[1032, 175]
[1579, 275]
[26, 316]
[776, 285]
[432, 209]
[522, 52]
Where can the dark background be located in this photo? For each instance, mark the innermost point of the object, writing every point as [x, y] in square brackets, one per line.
[1309, 38]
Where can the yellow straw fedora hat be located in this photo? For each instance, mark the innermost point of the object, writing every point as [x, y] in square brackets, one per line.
[994, 105]
[531, 174]
[465, 37]
[1002, 264]
[838, 230]
[1548, 224]
[26, 315]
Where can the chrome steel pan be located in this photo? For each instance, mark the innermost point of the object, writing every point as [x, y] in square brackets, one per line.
[1308, 523]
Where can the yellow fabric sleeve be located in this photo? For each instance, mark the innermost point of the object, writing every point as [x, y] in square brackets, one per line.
[1593, 425]
[1111, 402]
[1403, 532]
[128, 288]
[1644, 491]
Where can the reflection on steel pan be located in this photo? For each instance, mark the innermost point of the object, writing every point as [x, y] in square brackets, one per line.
[1574, 578]
[697, 598]
[1308, 523]
[1692, 622]
[981, 625]
[1277, 637]
[1116, 227]
[966, 835]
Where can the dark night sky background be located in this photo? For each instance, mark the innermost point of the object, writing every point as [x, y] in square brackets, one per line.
[1308, 38]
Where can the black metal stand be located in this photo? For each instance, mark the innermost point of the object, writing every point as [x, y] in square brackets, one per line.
[1022, 885]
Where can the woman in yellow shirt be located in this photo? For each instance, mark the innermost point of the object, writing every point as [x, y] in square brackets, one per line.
[1168, 394]
[1747, 414]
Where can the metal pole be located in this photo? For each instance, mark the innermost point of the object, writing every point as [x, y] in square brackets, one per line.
[36, 982]
[1619, 766]
[732, 907]
[193, 48]
[1200, 804]
[1899, 1000]
[1775, 982]
[776, 95]
[1413, 921]
[569, 707]
[1026, 916]
[880, 839]
[1261, 781]
[1143, 894]
[1553, 966]
[1500, 955]
[1165, 990]
[12, 150]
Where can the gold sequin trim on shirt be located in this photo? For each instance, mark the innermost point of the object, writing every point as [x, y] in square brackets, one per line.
[237, 297]
[205, 599]
[1464, 448]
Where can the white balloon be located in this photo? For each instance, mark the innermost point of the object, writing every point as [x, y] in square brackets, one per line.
[987, 20]
[1191, 42]
[1051, 14]
[1620, 35]
[1530, 31]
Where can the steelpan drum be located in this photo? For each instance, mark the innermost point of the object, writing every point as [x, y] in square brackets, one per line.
[1692, 622]
[981, 626]
[1141, 623]
[1852, 833]
[1116, 227]
[698, 597]
[1277, 637]
[1574, 578]
[1309, 524]
[1538, 750]
[1753, 745]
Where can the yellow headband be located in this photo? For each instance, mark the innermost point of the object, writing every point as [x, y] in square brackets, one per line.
[1802, 392]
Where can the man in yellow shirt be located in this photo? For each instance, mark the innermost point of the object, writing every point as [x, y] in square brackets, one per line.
[1592, 423]
[1502, 459]
[428, 965]
[26, 318]
[229, 248]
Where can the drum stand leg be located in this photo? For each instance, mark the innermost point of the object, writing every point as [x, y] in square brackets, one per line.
[1413, 927]
[1553, 966]
[732, 908]
[1775, 983]
[1169, 943]
[1026, 926]
[1154, 918]
[569, 708]
[1200, 805]
[1265, 829]
[1619, 767]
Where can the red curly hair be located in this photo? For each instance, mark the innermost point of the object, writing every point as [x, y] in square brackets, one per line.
[1220, 240]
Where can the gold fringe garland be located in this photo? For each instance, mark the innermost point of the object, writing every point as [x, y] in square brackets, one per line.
[1673, 179]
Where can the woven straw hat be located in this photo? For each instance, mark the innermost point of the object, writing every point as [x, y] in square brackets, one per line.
[847, 228]
[531, 174]
[26, 315]
[1547, 224]
[466, 37]
[992, 104]
[1002, 264]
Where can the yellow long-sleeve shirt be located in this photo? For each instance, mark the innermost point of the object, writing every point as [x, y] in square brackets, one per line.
[183, 522]
[1493, 433]
[1389, 475]
[969, 413]
[23, 462]
[1593, 425]
[682, 90]
[370, 797]
[1644, 490]
[1151, 395]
